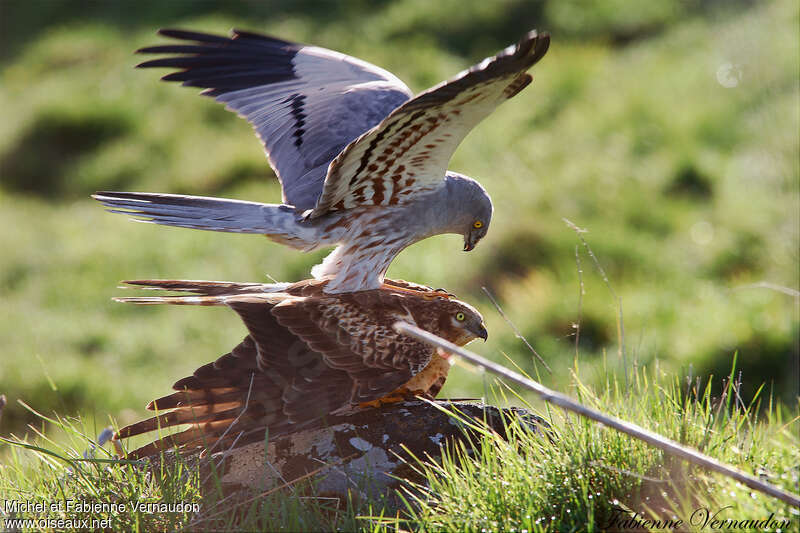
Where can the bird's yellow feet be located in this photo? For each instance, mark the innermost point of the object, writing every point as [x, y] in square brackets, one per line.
[400, 395]
[380, 402]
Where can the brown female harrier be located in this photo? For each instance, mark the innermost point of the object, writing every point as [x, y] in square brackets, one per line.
[307, 354]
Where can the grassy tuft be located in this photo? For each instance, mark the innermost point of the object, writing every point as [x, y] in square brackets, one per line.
[581, 476]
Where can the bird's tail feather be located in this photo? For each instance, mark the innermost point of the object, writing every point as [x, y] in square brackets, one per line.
[225, 402]
[172, 300]
[203, 292]
[204, 288]
[197, 212]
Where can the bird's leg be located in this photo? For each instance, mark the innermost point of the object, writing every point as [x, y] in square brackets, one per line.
[380, 402]
[399, 395]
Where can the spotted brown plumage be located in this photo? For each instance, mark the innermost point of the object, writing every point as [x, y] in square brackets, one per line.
[361, 161]
[307, 354]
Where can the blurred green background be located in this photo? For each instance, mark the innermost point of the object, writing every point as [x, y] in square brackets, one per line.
[668, 130]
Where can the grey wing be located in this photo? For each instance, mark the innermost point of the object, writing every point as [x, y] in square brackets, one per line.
[305, 103]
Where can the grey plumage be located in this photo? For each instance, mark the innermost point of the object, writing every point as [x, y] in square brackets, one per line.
[361, 165]
[214, 214]
[305, 103]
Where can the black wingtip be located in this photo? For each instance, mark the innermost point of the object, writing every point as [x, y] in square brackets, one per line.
[542, 45]
[211, 38]
[534, 45]
[188, 35]
[166, 32]
[236, 33]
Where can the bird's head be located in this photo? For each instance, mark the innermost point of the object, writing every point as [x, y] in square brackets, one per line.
[460, 323]
[473, 208]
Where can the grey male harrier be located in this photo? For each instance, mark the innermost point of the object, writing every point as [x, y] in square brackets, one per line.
[362, 162]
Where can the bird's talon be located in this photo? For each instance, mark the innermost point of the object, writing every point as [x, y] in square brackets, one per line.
[380, 402]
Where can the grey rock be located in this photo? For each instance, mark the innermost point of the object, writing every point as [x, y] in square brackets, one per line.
[361, 451]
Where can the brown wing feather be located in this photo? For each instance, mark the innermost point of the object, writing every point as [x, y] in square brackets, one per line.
[230, 389]
[283, 383]
[354, 334]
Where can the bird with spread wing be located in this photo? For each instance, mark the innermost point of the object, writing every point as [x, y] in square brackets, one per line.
[307, 354]
[361, 161]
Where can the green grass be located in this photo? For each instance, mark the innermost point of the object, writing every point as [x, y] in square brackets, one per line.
[577, 479]
[572, 476]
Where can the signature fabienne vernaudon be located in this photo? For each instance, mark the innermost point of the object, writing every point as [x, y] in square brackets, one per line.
[700, 518]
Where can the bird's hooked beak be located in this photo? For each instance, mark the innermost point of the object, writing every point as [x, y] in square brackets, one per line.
[469, 242]
[481, 332]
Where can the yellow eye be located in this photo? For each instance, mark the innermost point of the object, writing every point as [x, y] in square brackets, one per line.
[477, 224]
[460, 316]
